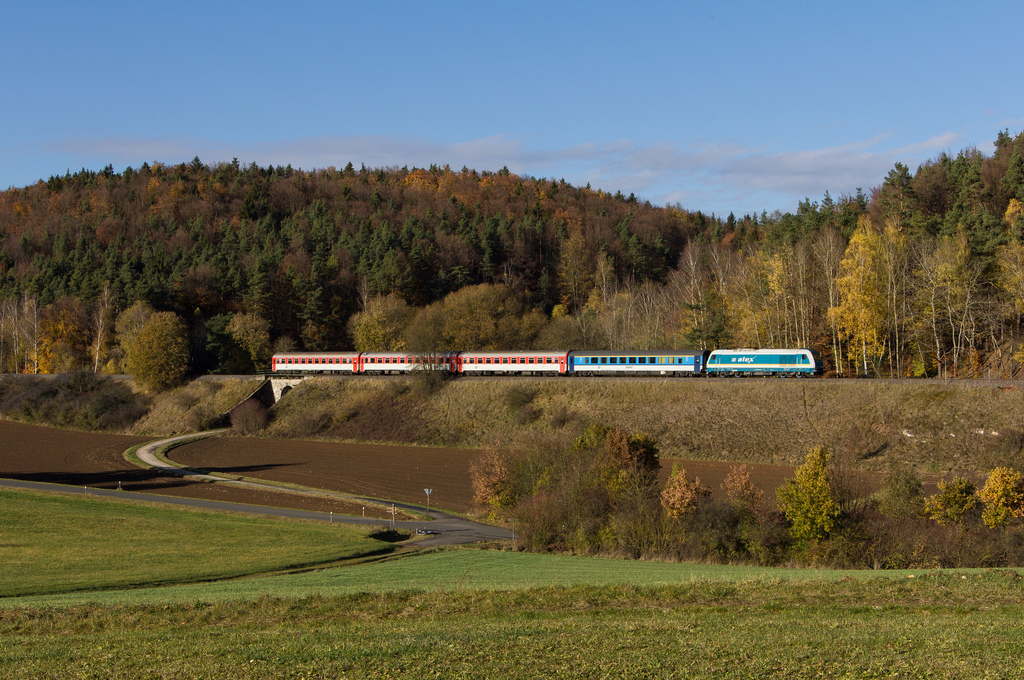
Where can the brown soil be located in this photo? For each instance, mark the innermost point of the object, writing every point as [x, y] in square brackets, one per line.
[398, 473]
[42, 454]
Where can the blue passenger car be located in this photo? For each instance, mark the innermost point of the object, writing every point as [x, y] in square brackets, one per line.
[676, 362]
[736, 362]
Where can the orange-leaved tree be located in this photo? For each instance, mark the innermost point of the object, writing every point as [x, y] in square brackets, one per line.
[680, 495]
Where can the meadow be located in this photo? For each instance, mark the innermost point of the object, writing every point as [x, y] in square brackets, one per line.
[56, 543]
[251, 612]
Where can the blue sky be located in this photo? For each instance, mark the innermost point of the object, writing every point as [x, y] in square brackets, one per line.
[721, 107]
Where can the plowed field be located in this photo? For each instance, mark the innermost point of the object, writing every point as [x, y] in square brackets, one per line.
[42, 454]
[399, 473]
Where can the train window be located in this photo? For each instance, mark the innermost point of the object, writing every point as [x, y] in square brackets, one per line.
[533, 360]
[504, 360]
[604, 360]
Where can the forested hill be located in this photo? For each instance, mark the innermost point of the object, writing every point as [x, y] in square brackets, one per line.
[917, 276]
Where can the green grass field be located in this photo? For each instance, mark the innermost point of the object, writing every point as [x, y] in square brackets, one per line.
[55, 543]
[455, 613]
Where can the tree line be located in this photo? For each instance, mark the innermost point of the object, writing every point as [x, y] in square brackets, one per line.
[603, 495]
[922, 275]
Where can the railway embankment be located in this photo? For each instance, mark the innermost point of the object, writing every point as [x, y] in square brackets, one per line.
[930, 426]
[938, 427]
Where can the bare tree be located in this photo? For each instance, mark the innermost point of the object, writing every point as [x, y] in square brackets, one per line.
[29, 330]
[102, 320]
[828, 248]
[8, 317]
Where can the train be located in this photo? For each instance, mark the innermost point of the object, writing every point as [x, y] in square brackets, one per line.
[590, 363]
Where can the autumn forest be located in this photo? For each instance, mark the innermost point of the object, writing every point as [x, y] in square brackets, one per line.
[922, 275]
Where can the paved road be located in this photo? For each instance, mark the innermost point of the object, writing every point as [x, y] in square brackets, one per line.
[450, 529]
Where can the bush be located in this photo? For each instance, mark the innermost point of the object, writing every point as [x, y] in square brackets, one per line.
[681, 496]
[901, 495]
[249, 418]
[956, 502]
[79, 400]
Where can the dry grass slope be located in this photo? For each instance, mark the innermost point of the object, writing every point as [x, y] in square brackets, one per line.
[936, 428]
[197, 406]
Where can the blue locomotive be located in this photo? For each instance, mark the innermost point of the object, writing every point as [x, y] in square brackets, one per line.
[740, 362]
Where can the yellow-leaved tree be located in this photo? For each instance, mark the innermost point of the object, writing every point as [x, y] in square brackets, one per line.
[807, 499]
[1003, 496]
[252, 333]
[381, 326]
[860, 316]
[1010, 263]
[158, 355]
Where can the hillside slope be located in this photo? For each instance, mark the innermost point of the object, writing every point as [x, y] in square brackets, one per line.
[962, 426]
